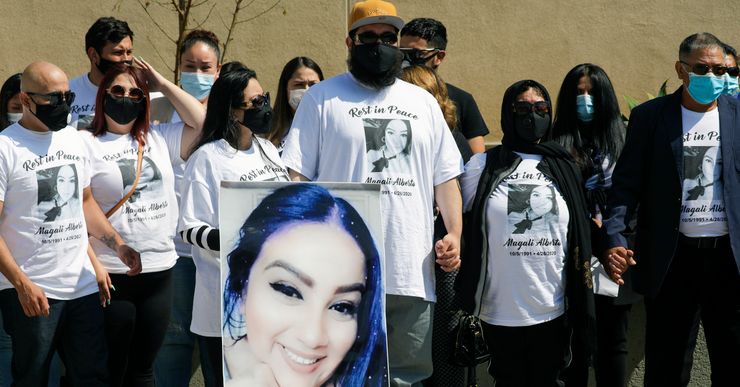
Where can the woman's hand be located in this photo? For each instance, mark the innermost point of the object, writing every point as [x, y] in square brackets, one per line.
[130, 258]
[104, 286]
[154, 78]
[101, 277]
[447, 250]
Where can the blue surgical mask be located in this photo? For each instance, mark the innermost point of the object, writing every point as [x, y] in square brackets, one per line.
[197, 84]
[705, 89]
[14, 117]
[731, 85]
[585, 107]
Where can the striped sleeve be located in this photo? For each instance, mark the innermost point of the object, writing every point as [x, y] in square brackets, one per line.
[205, 237]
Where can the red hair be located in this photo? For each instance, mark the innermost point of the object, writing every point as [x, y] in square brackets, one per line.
[141, 125]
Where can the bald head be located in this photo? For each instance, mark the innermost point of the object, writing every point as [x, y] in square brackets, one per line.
[43, 77]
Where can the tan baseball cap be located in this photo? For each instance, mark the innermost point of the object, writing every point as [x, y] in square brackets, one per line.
[372, 12]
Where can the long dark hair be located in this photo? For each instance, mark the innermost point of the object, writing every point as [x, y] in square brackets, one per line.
[282, 113]
[227, 93]
[11, 87]
[141, 125]
[607, 128]
[364, 364]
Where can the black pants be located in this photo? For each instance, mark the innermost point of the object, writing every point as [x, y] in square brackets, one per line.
[135, 325]
[700, 284]
[73, 327]
[532, 356]
[214, 357]
[612, 322]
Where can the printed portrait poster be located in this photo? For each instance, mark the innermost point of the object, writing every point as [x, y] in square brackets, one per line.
[302, 284]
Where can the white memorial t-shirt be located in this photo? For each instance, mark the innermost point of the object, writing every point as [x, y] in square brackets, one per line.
[42, 176]
[345, 131]
[527, 226]
[703, 206]
[209, 165]
[148, 219]
[83, 107]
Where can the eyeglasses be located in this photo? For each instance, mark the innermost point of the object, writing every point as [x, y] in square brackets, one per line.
[368, 37]
[419, 56]
[733, 71]
[702, 69]
[257, 102]
[55, 98]
[524, 107]
[134, 94]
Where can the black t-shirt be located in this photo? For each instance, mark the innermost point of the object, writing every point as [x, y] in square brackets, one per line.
[469, 120]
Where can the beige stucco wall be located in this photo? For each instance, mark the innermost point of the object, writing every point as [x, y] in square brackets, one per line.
[492, 43]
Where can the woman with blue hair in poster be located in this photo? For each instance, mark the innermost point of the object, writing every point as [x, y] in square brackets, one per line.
[303, 298]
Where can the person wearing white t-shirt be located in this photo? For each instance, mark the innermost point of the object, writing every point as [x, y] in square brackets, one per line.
[132, 180]
[107, 42]
[238, 109]
[528, 249]
[335, 137]
[200, 64]
[49, 289]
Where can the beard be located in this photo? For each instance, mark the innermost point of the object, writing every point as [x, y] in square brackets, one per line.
[374, 65]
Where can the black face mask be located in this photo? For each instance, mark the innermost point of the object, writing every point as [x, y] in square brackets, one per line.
[531, 127]
[376, 65]
[104, 65]
[122, 110]
[258, 120]
[55, 117]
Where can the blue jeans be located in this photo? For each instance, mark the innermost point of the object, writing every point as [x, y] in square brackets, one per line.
[74, 327]
[6, 355]
[174, 364]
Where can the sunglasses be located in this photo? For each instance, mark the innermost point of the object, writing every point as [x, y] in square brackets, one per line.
[134, 94]
[257, 102]
[524, 107]
[419, 56]
[369, 37]
[55, 98]
[702, 69]
[733, 71]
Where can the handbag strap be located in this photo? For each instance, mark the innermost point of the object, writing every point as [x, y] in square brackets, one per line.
[139, 157]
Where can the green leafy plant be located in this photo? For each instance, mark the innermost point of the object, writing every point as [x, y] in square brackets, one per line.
[632, 102]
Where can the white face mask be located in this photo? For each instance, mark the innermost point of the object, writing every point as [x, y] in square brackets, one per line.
[295, 96]
[14, 117]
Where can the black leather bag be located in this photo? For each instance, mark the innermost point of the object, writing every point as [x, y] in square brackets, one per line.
[470, 347]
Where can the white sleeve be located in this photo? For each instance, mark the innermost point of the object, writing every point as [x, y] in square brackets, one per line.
[86, 154]
[448, 163]
[302, 145]
[469, 179]
[4, 169]
[198, 203]
[172, 134]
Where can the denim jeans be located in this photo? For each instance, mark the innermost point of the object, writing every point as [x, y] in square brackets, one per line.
[73, 327]
[174, 364]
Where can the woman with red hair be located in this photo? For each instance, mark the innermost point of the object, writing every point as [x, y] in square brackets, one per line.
[133, 182]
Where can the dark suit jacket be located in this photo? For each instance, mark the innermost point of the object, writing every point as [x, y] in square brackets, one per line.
[650, 172]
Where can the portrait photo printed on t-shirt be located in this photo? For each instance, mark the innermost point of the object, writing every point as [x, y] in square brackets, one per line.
[702, 172]
[388, 144]
[58, 193]
[532, 209]
[149, 186]
[85, 121]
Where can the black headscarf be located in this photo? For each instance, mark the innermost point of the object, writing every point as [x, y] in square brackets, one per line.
[559, 164]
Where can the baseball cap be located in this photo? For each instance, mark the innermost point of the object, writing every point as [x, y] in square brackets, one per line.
[372, 12]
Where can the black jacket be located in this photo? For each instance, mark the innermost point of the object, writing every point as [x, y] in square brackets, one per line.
[650, 172]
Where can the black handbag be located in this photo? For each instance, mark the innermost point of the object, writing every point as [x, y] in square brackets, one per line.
[470, 347]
